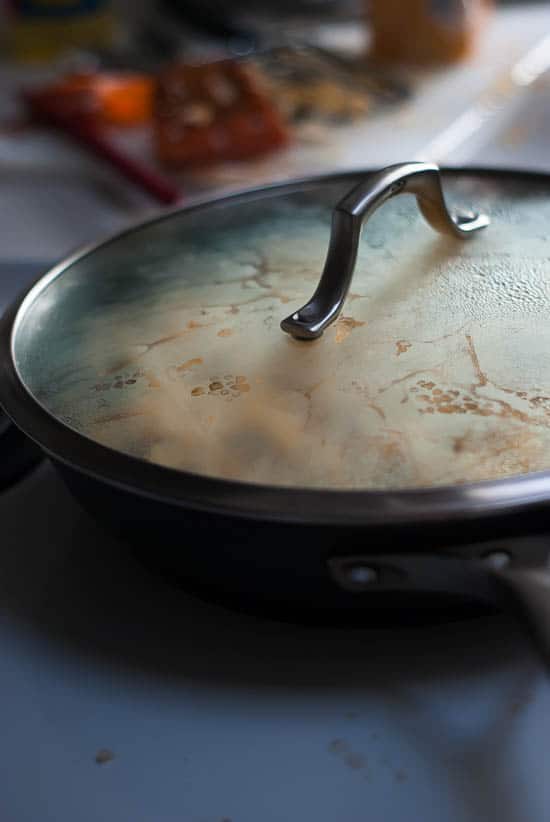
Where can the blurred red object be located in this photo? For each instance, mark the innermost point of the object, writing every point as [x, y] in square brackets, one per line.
[121, 99]
[75, 114]
[209, 113]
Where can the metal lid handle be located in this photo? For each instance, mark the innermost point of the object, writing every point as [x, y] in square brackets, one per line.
[421, 179]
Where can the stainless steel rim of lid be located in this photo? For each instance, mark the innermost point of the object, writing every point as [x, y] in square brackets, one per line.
[424, 507]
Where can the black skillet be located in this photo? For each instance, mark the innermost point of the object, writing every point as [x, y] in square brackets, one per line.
[399, 460]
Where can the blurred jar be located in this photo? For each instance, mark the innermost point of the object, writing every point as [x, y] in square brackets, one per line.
[46, 29]
[426, 31]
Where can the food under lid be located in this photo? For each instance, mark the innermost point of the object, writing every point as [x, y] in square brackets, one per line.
[165, 342]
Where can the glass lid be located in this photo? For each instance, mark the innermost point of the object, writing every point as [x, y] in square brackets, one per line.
[166, 342]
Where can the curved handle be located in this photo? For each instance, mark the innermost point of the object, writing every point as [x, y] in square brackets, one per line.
[528, 591]
[421, 179]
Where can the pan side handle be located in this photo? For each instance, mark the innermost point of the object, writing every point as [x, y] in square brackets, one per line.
[527, 592]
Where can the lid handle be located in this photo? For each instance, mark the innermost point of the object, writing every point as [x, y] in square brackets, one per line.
[420, 179]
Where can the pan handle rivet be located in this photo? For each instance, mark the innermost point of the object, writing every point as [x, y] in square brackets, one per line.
[497, 559]
[362, 574]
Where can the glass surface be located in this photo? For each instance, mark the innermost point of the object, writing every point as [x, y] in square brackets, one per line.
[165, 343]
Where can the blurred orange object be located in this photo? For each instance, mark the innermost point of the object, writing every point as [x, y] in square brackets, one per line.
[426, 31]
[209, 113]
[118, 99]
[125, 99]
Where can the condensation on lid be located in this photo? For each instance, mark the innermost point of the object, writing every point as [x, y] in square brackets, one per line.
[165, 343]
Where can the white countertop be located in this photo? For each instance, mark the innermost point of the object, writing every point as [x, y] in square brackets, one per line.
[212, 716]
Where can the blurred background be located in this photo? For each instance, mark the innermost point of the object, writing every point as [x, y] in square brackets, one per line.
[111, 111]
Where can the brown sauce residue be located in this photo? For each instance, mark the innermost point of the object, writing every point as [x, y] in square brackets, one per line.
[517, 448]
[225, 332]
[144, 348]
[452, 401]
[402, 347]
[152, 380]
[377, 409]
[229, 387]
[189, 364]
[338, 746]
[122, 415]
[459, 444]
[103, 756]
[409, 376]
[344, 326]
[481, 376]
[353, 760]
